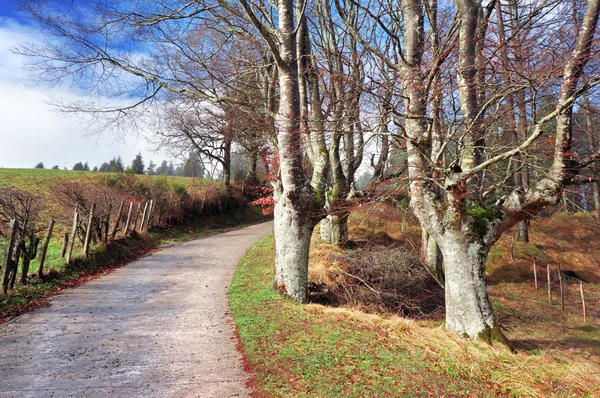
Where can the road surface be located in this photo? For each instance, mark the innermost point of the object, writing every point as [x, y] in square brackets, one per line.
[158, 327]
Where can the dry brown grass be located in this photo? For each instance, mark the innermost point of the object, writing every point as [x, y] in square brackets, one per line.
[558, 355]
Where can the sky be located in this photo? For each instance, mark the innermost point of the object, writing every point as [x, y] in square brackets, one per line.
[31, 130]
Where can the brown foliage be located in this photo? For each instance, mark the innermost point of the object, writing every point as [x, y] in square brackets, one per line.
[384, 280]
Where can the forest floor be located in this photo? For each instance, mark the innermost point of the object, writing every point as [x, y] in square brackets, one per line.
[356, 347]
[159, 326]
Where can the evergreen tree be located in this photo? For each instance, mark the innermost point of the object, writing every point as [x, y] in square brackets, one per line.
[150, 170]
[86, 167]
[193, 166]
[55, 167]
[40, 165]
[137, 166]
[163, 169]
[115, 165]
[78, 166]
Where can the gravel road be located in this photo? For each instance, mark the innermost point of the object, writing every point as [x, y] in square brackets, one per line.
[158, 327]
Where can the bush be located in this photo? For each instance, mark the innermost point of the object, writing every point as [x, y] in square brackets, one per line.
[384, 280]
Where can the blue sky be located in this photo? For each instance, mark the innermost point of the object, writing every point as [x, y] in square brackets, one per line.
[30, 130]
[7, 9]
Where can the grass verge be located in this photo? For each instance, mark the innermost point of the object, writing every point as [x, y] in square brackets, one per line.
[60, 276]
[316, 351]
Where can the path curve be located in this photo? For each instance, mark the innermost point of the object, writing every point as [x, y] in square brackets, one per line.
[158, 327]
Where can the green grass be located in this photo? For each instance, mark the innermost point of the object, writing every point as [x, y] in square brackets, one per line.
[316, 351]
[301, 351]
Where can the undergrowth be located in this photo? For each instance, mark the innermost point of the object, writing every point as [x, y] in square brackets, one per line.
[319, 351]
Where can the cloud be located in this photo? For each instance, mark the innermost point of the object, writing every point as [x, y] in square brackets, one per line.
[30, 129]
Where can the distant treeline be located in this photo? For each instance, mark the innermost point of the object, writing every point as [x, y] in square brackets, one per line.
[192, 167]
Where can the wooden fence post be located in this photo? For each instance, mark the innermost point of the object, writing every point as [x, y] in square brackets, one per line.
[12, 232]
[549, 284]
[151, 216]
[45, 249]
[562, 289]
[535, 274]
[143, 222]
[106, 226]
[114, 231]
[128, 219]
[88, 232]
[65, 243]
[583, 302]
[137, 213]
[73, 235]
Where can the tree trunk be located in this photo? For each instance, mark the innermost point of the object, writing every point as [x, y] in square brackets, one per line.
[326, 230]
[227, 161]
[292, 229]
[468, 308]
[432, 256]
[293, 216]
[339, 229]
[596, 192]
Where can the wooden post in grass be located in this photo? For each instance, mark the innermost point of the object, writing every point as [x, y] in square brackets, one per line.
[143, 222]
[12, 233]
[149, 218]
[150, 210]
[106, 226]
[114, 230]
[73, 235]
[135, 219]
[549, 284]
[152, 214]
[583, 302]
[128, 219]
[535, 274]
[45, 249]
[65, 244]
[88, 232]
[562, 289]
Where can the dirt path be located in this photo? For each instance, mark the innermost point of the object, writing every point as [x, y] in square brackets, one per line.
[158, 327]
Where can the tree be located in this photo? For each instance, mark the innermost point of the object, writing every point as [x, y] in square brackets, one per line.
[163, 169]
[55, 167]
[40, 165]
[151, 168]
[137, 165]
[193, 166]
[78, 166]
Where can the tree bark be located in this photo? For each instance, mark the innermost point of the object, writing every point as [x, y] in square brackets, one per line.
[468, 309]
[227, 161]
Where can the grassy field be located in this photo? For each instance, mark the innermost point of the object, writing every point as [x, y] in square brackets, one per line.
[317, 351]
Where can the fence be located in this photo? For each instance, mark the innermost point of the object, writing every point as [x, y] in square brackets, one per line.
[97, 229]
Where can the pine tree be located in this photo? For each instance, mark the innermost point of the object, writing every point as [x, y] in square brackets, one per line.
[137, 166]
[150, 170]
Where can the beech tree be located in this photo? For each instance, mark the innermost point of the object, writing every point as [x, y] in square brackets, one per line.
[453, 200]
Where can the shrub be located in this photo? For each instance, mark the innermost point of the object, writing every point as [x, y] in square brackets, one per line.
[384, 280]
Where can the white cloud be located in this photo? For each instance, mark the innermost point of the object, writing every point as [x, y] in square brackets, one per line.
[31, 132]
